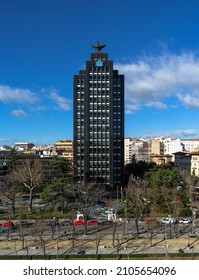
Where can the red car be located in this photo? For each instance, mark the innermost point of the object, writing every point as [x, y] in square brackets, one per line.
[92, 222]
[78, 223]
[8, 224]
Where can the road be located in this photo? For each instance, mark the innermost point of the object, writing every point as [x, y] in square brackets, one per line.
[122, 228]
[58, 240]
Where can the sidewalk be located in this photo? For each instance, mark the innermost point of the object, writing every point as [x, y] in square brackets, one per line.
[102, 250]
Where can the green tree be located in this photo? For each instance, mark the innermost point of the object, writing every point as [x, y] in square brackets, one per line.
[137, 169]
[165, 191]
[59, 168]
[11, 159]
[57, 194]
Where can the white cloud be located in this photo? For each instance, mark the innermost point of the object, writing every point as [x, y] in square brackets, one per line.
[62, 102]
[31, 101]
[19, 113]
[156, 104]
[151, 81]
[131, 108]
[7, 140]
[17, 95]
[180, 133]
[190, 100]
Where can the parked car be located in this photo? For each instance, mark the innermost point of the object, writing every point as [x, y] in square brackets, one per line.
[185, 221]
[66, 222]
[81, 252]
[92, 222]
[78, 223]
[52, 223]
[8, 224]
[22, 223]
[168, 221]
[181, 251]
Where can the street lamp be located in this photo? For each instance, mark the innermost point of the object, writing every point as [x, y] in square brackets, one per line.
[193, 221]
[165, 231]
[126, 218]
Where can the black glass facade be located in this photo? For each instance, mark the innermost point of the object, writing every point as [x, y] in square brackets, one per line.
[99, 123]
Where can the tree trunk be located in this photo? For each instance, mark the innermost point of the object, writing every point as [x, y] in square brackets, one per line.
[97, 247]
[53, 232]
[73, 239]
[136, 224]
[30, 199]
[114, 232]
[151, 238]
[22, 237]
[85, 225]
[13, 209]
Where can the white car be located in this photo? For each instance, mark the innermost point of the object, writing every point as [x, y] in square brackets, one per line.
[185, 221]
[168, 221]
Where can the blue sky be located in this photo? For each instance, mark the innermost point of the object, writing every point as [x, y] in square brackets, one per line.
[45, 42]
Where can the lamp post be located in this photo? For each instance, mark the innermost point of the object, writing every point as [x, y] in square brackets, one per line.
[191, 192]
[193, 221]
[126, 219]
[165, 231]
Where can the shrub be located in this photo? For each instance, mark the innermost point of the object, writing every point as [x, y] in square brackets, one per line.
[185, 212]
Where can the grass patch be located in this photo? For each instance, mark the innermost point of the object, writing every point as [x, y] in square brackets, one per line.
[104, 257]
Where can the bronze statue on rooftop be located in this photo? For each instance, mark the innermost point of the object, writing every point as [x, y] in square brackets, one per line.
[98, 47]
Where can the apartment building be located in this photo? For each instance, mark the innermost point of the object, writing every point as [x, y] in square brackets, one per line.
[182, 161]
[195, 163]
[190, 144]
[64, 148]
[172, 145]
[187, 161]
[143, 149]
[131, 148]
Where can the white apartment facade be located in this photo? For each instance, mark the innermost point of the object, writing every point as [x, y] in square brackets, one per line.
[142, 149]
[172, 146]
[131, 147]
[146, 150]
[190, 144]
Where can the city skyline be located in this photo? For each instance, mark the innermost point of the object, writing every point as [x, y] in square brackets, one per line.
[43, 44]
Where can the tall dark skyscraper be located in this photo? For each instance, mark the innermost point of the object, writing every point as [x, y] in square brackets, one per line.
[99, 122]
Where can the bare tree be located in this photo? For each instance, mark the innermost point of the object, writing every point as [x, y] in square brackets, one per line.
[29, 173]
[120, 242]
[98, 240]
[10, 188]
[136, 200]
[192, 185]
[114, 225]
[39, 235]
[176, 205]
[151, 224]
[86, 196]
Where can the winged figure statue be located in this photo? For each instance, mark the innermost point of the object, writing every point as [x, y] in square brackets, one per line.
[98, 47]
